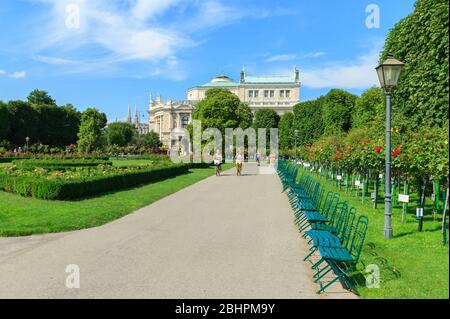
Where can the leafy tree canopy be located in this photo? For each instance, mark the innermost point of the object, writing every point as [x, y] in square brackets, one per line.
[120, 133]
[421, 41]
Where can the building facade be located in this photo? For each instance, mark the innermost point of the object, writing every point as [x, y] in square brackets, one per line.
[277, 92]
[169, 119]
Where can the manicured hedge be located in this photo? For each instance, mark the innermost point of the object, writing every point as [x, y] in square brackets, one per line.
[48, 157]
[60, 189]
[58, 164]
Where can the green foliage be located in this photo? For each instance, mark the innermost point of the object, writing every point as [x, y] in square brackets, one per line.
[90, 134]
[120, 133]
[87, 182]
[369, 108]
[337, 109]
[308, 121]
[218, 110]
[266, 118]
[245, 116]
[58, 126]
[421, 41]
[286, 131]
[37, 97]
[52, 164]
[4, 122]
[151, 140]
[24, 122]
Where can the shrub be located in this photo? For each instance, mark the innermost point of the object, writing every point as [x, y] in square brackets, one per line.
[59, 164]
[88, 184]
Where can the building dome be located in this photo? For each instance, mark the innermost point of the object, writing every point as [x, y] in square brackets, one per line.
[221, 78]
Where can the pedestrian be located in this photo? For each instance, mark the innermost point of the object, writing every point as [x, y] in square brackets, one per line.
[218, 162]
[272, 160]
[257, 158]
[239, 159]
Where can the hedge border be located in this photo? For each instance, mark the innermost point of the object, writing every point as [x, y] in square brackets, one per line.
[59, 189]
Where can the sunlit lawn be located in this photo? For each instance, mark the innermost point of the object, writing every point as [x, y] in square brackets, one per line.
[413, 264]
[24, 216]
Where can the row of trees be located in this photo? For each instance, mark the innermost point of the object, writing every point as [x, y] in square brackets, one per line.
[344, 134]
[40, 119]
[51, 128]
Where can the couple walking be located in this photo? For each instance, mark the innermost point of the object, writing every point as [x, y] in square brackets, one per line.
[239, 160]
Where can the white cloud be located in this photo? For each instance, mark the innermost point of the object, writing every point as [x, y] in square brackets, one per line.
[359, 74]
[13, 75]
[314, 54]
[281, 58]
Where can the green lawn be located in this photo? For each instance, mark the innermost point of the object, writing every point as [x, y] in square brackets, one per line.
[21, 216]
[413, 264]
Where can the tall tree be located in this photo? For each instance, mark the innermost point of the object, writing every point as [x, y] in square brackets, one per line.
[421, 41]
[369, 108]
[337, 111]
[151, 139]
[38, 97]
[91, 127]
[120, 133]
[4, 122]
[24, 122]
[245, 116]
[266, 118]
[308, 121]
[219, 110]
[286, 131]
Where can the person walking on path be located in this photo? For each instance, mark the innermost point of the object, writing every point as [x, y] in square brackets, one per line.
[272, 160]
[258, 158]
[239, 159]
[218, 162]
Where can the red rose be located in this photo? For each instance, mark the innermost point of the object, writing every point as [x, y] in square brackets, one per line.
[378, 149]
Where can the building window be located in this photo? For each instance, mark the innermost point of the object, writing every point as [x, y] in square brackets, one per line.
[272, 93]
[185, 121]
[281, 93]
[256, 93]
[250, 93]
[288, 93]
[266, 93]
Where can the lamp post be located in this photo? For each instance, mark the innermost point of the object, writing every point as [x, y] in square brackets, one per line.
[27, 139]
[388, 74]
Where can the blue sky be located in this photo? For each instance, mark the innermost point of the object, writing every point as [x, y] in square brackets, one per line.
[106, 53]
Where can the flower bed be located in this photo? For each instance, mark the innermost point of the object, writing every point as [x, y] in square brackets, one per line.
[58, 164]
[83, 182]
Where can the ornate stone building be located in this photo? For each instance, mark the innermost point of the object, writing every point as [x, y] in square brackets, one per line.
[169, 119]
[277, 92]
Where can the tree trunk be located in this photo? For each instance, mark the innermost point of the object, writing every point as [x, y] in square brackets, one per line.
[444, 215]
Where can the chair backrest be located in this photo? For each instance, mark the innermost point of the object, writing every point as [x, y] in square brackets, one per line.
[332, 206]
[339, 216]
[347, 228]
[359, 235]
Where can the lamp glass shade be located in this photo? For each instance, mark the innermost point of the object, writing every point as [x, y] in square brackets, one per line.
[389, 72]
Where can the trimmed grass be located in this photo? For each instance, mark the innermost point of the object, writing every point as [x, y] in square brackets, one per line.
[413, 264]
[21, 216]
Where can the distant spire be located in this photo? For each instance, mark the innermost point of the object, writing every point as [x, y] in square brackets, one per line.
[136, 117]
[242, 74]
[129, 114]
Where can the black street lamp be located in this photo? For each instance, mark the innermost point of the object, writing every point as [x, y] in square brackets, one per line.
[388, 74]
